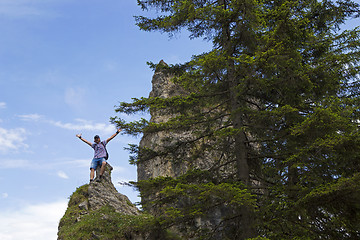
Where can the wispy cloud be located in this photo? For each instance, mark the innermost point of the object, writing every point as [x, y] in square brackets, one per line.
[2, 105]
[62, 174]
[85, 125]
[30, 117]
[32, 221]
[12, 139]
[24, 8]
[4, 195]
[78, 124]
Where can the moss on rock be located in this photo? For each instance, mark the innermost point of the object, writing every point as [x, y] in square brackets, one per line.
[105, 223]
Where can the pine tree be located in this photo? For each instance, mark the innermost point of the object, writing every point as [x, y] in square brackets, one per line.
[277, 101]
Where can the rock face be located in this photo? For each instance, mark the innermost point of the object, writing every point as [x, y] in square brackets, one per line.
[104, 193]
[162, 87]
[95, 210]
[162, 166]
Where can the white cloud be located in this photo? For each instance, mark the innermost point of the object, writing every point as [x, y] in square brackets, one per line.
[4, 195]
[12, 139]
[77, 125]
[85, 125]
[2, 105]
[30, 117]
[32, 222]
[62, 174]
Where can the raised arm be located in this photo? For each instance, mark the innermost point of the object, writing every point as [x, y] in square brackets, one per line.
[114, 135]
[84, 140]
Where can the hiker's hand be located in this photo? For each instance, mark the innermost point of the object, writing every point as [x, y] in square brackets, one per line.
[78, 135]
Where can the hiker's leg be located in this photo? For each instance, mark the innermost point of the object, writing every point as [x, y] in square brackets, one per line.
[102, 169]
[93, 166]
[92, 173]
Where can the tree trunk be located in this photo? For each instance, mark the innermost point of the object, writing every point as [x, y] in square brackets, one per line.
[246, 219]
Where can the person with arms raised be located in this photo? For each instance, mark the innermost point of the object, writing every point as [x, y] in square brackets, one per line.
[100, 153]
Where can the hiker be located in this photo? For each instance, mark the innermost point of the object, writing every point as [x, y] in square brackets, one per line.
[99, 154]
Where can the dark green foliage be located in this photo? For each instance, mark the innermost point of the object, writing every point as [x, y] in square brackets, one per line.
[275, 103]
[193, 188]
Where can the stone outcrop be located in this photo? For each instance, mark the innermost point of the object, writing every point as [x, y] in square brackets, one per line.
[95, 209]
[163, 87]
[168, 165]
[104, 193]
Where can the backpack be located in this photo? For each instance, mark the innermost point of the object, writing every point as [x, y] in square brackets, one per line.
[107, 154]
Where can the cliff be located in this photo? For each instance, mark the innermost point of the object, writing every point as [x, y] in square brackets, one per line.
[170, 161]
[167, 165]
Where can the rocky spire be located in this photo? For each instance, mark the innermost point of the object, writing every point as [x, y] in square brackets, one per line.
[103, 193]
[99, 199]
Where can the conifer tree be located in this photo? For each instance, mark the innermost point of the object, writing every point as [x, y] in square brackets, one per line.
[277, 100]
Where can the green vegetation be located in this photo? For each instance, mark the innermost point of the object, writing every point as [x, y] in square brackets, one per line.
[275, 102]
[73, 211]
[103, 223]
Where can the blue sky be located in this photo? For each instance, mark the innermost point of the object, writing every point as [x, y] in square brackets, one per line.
[64, 65]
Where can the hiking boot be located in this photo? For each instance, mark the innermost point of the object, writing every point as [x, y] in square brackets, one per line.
[99, 178]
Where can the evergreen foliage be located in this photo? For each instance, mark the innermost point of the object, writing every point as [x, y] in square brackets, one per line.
[277, 100]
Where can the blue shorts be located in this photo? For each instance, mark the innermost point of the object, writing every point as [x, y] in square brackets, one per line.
[97, 162]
